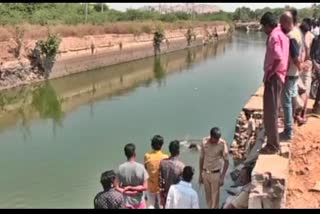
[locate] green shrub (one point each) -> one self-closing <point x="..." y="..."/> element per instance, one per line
<point x="49" y="47"/>
<point x="168" y="18"/>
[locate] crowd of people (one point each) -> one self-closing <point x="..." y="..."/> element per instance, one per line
<point x="292" y="54"/>
<point x="163" y="181"/>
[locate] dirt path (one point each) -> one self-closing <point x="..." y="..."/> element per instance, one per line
<point x="305" y="166"/>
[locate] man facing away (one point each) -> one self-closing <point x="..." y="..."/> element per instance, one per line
<point x="275" y="69"/>
<point x="213" y="149"/>
<point x="305" y="75"/>
<point x="109" y="198"/>
<point x="132" y="179"/>
<point x="152" y="163"/>
<point x="170" y="171"/>
<point x="290" y="91"/>
<point x="181" y="195"/>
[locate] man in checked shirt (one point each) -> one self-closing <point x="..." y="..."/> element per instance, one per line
<point x="109" y="198"/>
<point x="170" y="171"/>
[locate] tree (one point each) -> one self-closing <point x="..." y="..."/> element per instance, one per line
<point x="315" y="11"/>
<point x="243" y="14"/>
<point x="259" y="12"/>
<point x="100" y="7"/>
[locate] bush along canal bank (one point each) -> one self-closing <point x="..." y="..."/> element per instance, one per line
<point x="273" y="177"/>
<point x="27" y="61"/>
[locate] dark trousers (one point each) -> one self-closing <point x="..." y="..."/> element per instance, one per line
<point x="271" y="104"/>
<point x="318" y="96"/>
<point x="318" y="92"/>
<point x="316" y="106"/>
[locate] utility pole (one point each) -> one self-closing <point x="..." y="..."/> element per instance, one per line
<point x="102" y="6"/>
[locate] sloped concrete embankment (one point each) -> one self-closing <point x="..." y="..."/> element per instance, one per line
<point x="92" y="52"/>
<point x="269" y="178"/>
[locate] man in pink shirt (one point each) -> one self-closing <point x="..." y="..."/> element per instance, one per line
<point x="275" y="70"/>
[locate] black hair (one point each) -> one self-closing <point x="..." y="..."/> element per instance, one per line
<point x="187" y="173"/>
<point x="174" y="148"/>
<point x="305" y="26"/>
<point x="107" y="179"/>
<point x="215" y="133"/>
<point x="269" y="19"/>
<point x="308" y="21"/>
<point x="157" y="142"/>
<point x="294" y="14"/>
<point x="130" y="150"/>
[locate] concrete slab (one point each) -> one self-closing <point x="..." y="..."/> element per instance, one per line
<point x="278" y="166"/>
<point x="259" y="92"/>
<point x="254" y="104"/>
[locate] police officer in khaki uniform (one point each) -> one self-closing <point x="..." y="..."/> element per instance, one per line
<point x="213" y="150"/>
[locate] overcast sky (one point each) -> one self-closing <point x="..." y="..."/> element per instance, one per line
<point x="230" y="7"/>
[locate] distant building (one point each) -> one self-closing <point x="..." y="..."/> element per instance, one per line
<point x="187" y="8"/>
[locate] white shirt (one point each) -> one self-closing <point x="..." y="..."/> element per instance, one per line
<point x="182" y="196"/>
<point x="315" y="31"/>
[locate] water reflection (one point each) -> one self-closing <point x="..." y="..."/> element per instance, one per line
<point x="189" y="58"/>
<point x="46" y="103"/>
<point x="25" y="125"/>
<point x="51" y="99"/>
<point x="246" y="39"/>
<point x="159" y="70"/>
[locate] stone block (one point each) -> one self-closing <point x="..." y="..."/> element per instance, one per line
<point x="254" y="104"/>
<point x="255" y="202"/>
<point x="285" y="150"/>
<point x="267" y="203"/>
<point x="277" y="165"/>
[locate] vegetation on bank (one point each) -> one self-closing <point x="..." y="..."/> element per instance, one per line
<point x="76" y="19"/>
<point x="75" y="13"/>
<point x="99" y="14"/>
<point x="245" y="14"/>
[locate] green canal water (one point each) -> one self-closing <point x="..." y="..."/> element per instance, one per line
<point x="56" y="138"/>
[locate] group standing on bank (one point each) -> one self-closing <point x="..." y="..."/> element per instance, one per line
<point x="292" y="54"/>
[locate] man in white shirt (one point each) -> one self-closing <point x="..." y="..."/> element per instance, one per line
<point x="181" y="195"/>
<point x="316" y="30"/>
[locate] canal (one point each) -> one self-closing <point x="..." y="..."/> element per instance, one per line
<point x="56" y="138"/>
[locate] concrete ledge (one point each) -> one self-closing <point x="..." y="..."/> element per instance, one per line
<point x="255" y="102"/>
<point x="269" y="178"/>
<point x="271" y="172"/>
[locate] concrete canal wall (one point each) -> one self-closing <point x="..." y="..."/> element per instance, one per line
<point x="76" y="55"/>
<point x="269" y="176"/>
